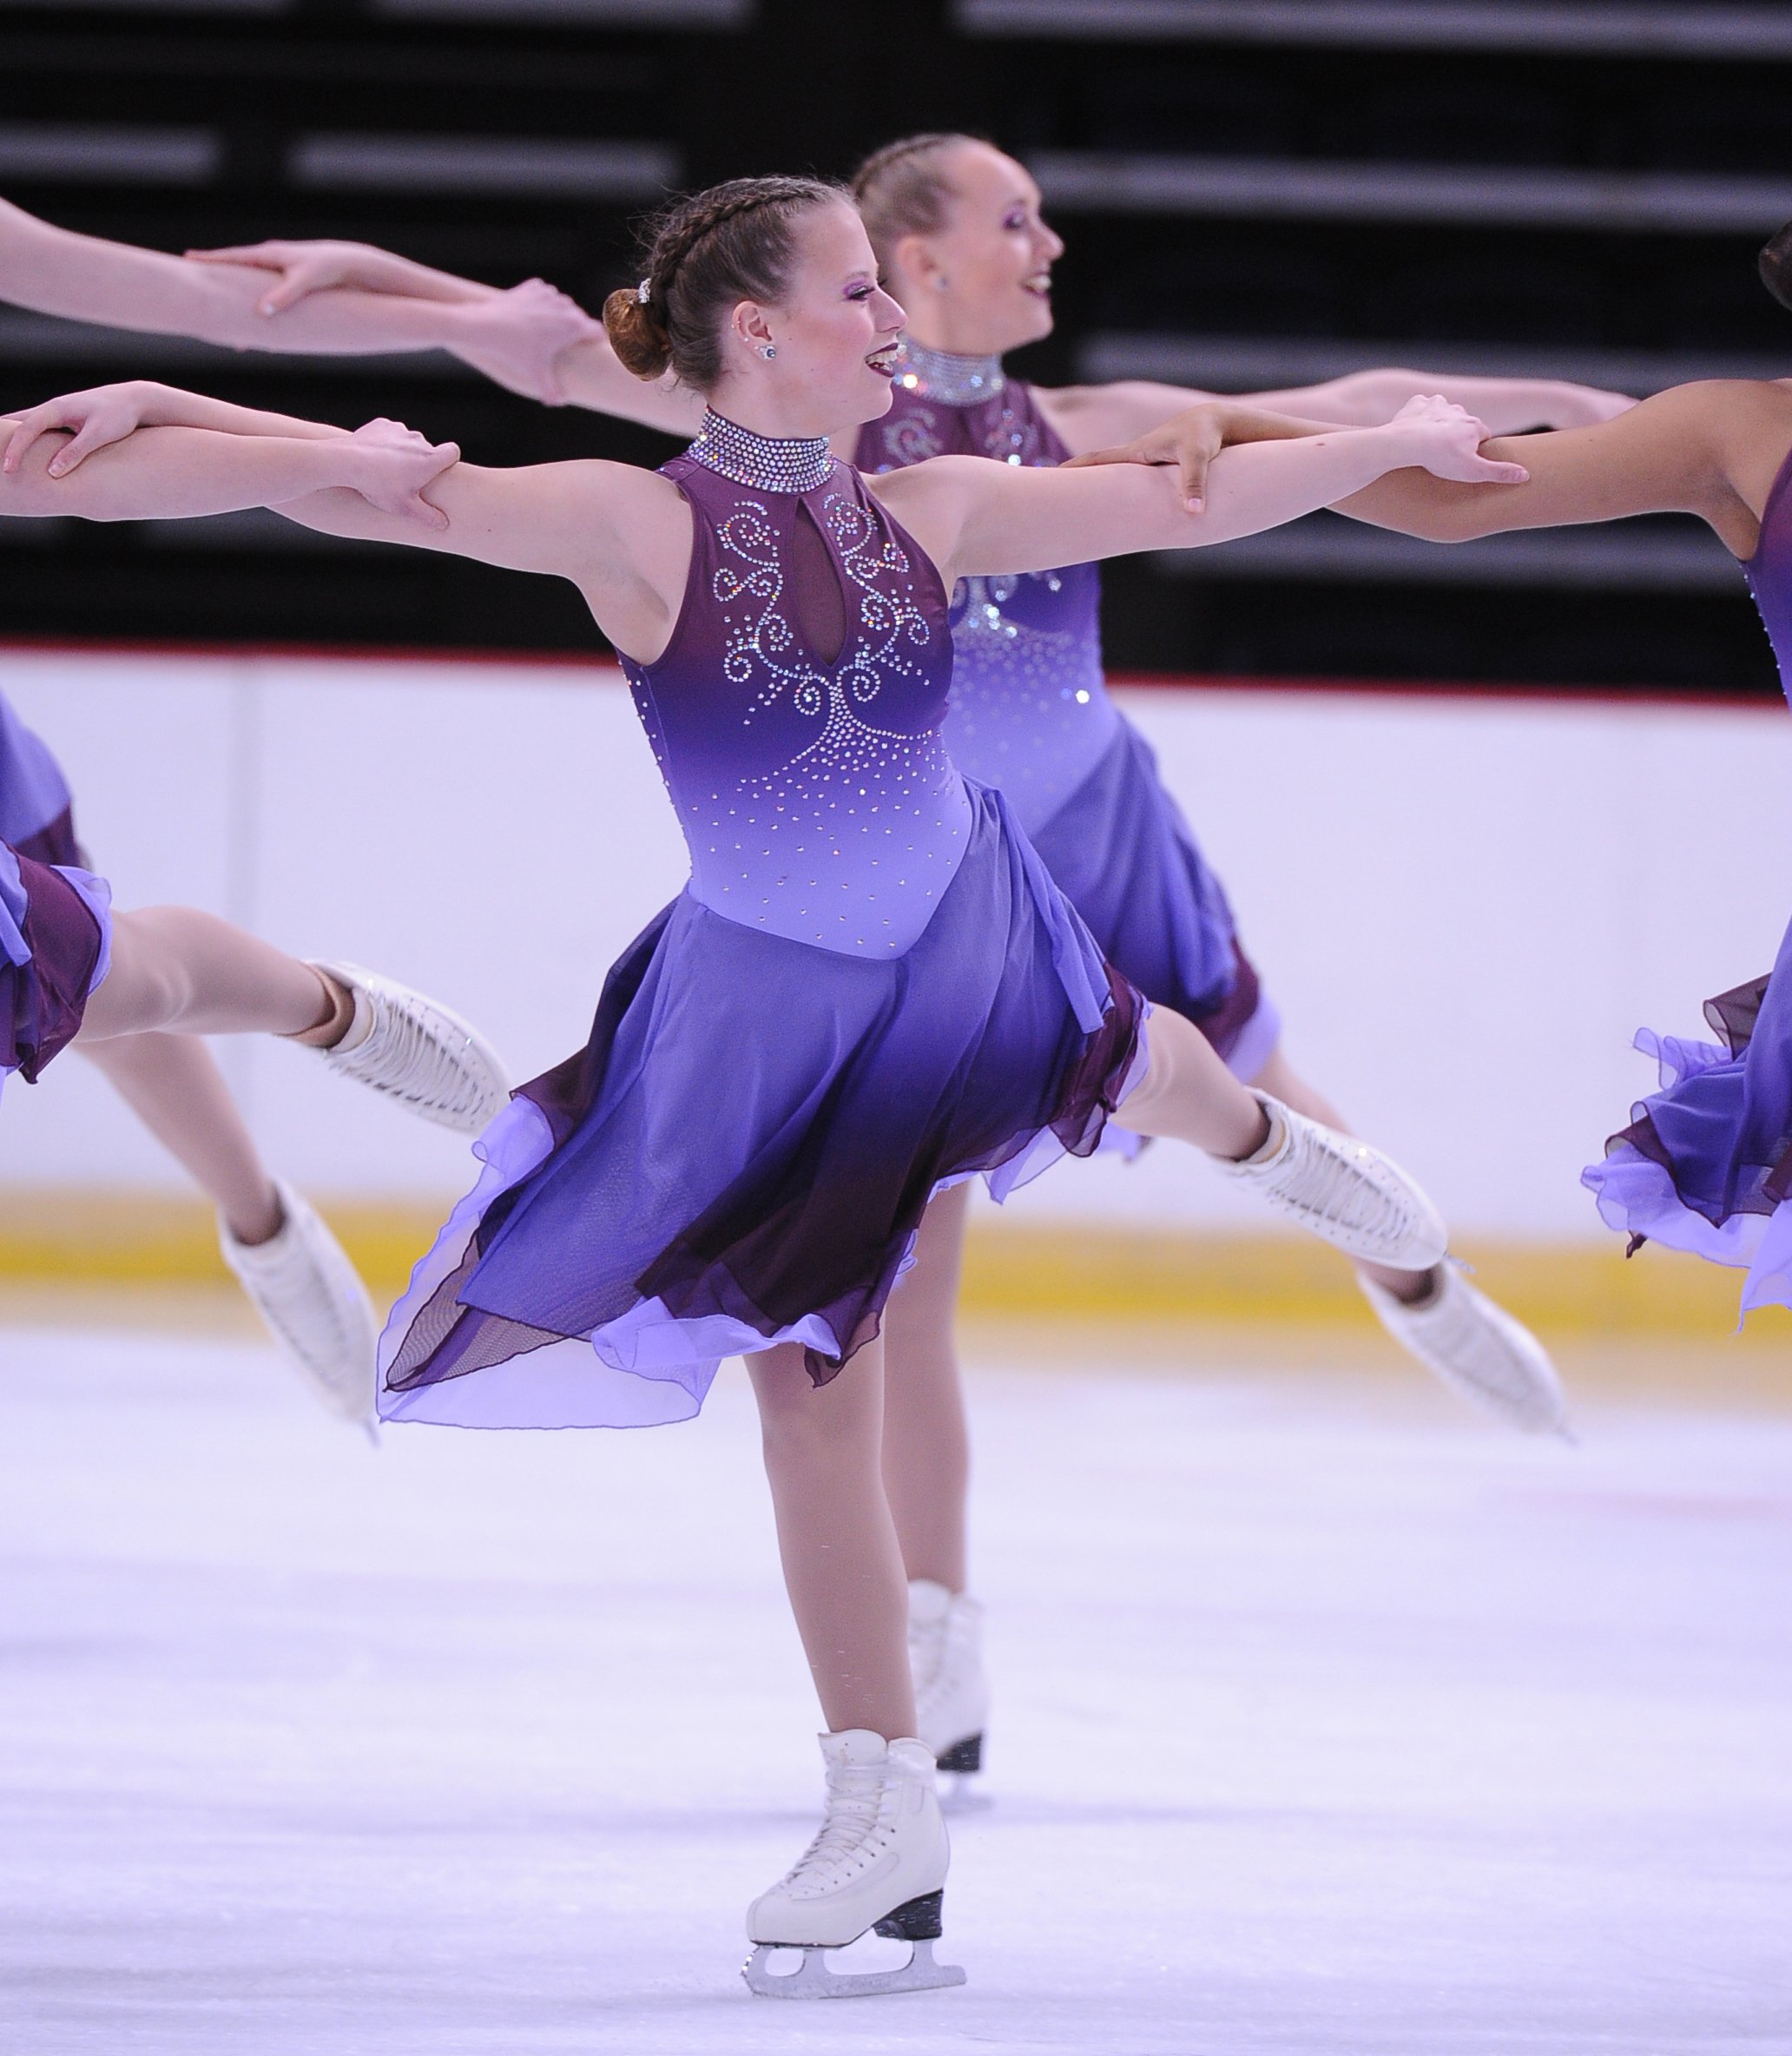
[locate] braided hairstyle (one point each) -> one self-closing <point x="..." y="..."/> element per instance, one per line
<point x="1774" y="264"/>
<point x="902" y="189"/>
<point x="701" y="256"/>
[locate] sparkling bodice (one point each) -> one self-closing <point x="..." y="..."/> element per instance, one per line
<point x="814" y="791"/>
<point x="1769" y="571"/>
<point x="1030" y="706"/>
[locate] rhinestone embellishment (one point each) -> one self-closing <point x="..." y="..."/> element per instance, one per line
<point x="953" y="380"/>
<point x="767" y="464"/>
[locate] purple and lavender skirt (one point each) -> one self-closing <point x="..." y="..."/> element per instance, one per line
<point x="1706" y="1164"/>
<point x="743" y="1152"/>
<point x="1125" y="857"/>
<point x="55" y="938"/>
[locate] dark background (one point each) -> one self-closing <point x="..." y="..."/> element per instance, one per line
<point x="196" y="125"/>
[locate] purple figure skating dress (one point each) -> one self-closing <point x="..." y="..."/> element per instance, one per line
<point x="1031" y="713"/>
<point x="869" y="988"/>
<point x="1706" y="1165"/>
<point x="54" y="917"/>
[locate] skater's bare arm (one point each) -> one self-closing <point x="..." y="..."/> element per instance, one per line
<point x="513" y="338"/>
<point x="1711" y="449"/>
<point x="621" y="534"/>
<point x="176" y="473"/>
<point x="976" y="515"/>
<point x="1093" y="416"/>
<point x="106" y="414"/>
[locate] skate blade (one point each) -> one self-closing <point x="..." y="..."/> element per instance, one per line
<point x="813" y="1978"/>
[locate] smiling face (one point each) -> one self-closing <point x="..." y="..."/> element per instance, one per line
<point x="981" y="283"/>
<point x="834" y="333"/>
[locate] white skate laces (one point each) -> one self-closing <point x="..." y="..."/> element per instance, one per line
<point x="1341" y="1190"/>
<point x="415" y="1052"/>
<point x="1480" y="1350"/>
<point x="302" y="1284"/>
<point x="878" y="1861"/>
<point x="952" y="1692"/>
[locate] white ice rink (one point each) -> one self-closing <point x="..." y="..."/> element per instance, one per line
<point x="1329" y="1721"/>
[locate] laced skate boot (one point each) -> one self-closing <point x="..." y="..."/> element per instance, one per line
<point x="1341" y="1190"/>
<point x="419" y="1053"/>
<point x="879" y="1862"/>
<point x="951" y="1693"/>
<point x="302" y="1284"/>
<point x="1479" y="1349"/>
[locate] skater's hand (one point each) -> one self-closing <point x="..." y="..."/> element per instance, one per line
<point x="300" y="268"/>
<point x="103" y="414"/>
<point x="517" y="339"/>
<point x="390" y="465"/>
<point x="1446" y="440"/>
<point x="1192" y="439"/>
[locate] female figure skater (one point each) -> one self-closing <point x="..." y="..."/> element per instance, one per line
<point x="870" y="989"/>
<point x="290" y="1265"/>
<point x="1706" y="1164"/>
<point x="74" y="970"/>
<point x="958" y="228"/>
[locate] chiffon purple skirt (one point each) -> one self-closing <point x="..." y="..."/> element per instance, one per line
<point x="55" y="948"/>
<point x="1706" y="1164"/>
<point x="1125" y="857"/>
<point x="741" y="1154"/>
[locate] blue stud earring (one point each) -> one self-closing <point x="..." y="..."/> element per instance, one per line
<point x="768" y="351"/>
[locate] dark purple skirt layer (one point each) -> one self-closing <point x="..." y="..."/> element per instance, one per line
<point x="1129" y="863"/>
<point x="53" y="952"/>
<point x="743" y="1152"/>
<point x="1706" y="1164"/>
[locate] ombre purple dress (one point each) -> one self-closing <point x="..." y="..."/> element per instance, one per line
<point x="869" y="989"/>
<point x="1706" y="1164"/>
<point x="1031" y="713"/>
<point x="55" y="914"/>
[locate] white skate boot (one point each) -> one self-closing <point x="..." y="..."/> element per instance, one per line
<point x="417" y="1052"/>
<point x="1479" y="1349"/>
<point x="879" y="1862"/>
<point x="1341" y="1190"/>
<point x="311" y="1297"/>
<point x="952" y="1692"/>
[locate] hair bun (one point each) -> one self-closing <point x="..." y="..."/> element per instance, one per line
<point x="641" y="343"/>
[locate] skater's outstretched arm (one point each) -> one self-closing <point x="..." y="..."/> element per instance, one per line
<point x="176" y="473"/>
<point x="587" y="372"/>
<point x="514" y="338"/>
<point x="973" y="514"/>
<point x="1089" y="416"/>
<point x="1711" y="449"/>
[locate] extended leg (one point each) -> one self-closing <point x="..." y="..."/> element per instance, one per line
<point x="1436" y="1316"/>
<point x="174" y="967"/>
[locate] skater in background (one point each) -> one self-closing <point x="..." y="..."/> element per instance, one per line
<point x="957" y="229"/>
<point x="1705" y="1164"/>
<point x="870" y="988"/>
<point x="290" y="1265"/>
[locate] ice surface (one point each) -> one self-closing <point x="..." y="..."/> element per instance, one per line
<point x="1319" y="1729"/>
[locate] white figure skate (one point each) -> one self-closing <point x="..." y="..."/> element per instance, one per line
<point x="417" y="1052"/>
<point x="952" y="1692"/>
<point x="303" y="1286"/>
<point x="1341" y="1190"/>
<point x="878" y="1862"/>
<point x="1479" y="1349"/>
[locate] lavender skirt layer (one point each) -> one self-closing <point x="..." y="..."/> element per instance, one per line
<point x="55" y="948"/>
<point x="1706" y="1164"/>
<point x="1128" y="861"/>
<point x="34" y="794"/>
<point x="741" y="1154"/>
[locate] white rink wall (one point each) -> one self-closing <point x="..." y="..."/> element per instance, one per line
<point x="1464" y="906"/>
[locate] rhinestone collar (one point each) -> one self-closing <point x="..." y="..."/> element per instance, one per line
<point x="940" y="374"/>
<point x="768" y="463"/>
